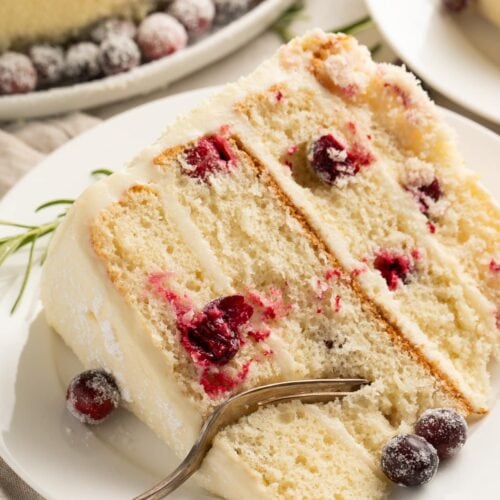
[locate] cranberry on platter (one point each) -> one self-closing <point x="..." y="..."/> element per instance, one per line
<point x="17" y="74"/>
<point x="92" y="396"/>
<point x="111" y="27"/>
<point x="82" y="62"/>
<point x="117" y="54"/>
<point x="443" y="428"/>
<point x="49" y="63"/>
<point x="197" y="16"/>
<point x="160" y="35"/>
<point x="409" y="460"/>
<point x="228" y="10"/>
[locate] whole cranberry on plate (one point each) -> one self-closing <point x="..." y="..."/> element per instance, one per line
<point x="92" y="396"/>
<point x="117" y="54"/>
<point x="197" y="16"/>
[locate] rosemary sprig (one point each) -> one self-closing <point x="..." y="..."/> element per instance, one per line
<point x="355" y="27"/>
<point x="30" y="235"/>
<point x="283" y="24"/>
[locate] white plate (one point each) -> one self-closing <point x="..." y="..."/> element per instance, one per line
<point x="146" y="77"/>
<point x="63" y="459"/>
<point x="457" y="54"/>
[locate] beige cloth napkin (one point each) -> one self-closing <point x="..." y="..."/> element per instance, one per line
<point x="22" y="146"/>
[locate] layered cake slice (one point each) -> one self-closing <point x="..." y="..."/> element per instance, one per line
<point x="282" y="231"/>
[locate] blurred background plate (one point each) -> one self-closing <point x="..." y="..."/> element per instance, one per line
<point x="457" y="54"/>
<point x="146" y="77"/>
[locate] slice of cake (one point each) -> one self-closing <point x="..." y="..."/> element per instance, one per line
<point x="312" y="220"/>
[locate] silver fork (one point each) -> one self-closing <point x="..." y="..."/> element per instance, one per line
<point x="308" y="391"/>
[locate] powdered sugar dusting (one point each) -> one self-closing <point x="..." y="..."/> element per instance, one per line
<point x="110" y="342"/>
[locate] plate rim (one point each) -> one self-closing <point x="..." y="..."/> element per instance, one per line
<point x="204" y="92"/>
<point x="420" y="69"/>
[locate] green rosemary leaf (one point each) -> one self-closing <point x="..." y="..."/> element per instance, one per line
<point x="10" y="246"/>
<point x="375" y="49"/>
<point x="355" y="27"/>
<point x="283" y="24"/>
<point x="101" y="171"/>
<point x="27" y="272"/>
<point x="15" y="224"/>
<point x="62" y="201"/>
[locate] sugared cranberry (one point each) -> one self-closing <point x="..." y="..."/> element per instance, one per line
<point x="210" y="154"/>
<point x="331" y="160"/>
<point x="117" y="54"/>
<point x="393" y="267"/>
<point x="215" y="334"/>
<point x="17" y="74"/>
<point x="111" y="27"/>
<point x="49" y="63"/>
<point x="82" y="61"/>
<point x="92" y="396"/>
<point x="445" y="429"/>
<point x="455" y="5"/>
<point x="160" y="35"/>
<point x="409" y="460"/>
<point x="196" y="15"/>
<point x="227" y="10"/>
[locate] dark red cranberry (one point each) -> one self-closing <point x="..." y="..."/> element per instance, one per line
<point x="409" y="460"/>
<point x="455" y="5"/>
<point x="210" y="154"/>
<point x="160" y="35"/>
<point x="82" y="62"/>
<point x="445" y="429"/>
<point x="195" y="15"/>
<point x="228" y="10"/>
<point x="117" y="54"/>
<point x="394" y="268"/>
<point x="215" y="334"/>
<point x="331" y="160"/>
<point x="92" y="396"/>
<point x="432" y="190"/>
<point x="111" y="27"/>
<point x="49" y="64"/>
<point x="17" y="74"/>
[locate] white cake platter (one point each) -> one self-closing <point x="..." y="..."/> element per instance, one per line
<point x="456" y="54"/>
<point x="147" y="77"/>
<point x="61" y="458"/>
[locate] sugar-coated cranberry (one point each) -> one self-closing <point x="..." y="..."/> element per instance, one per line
<point x="82" y="61"/>
<point x="444" y="428"/>
<point x="17" y="74"/>
<point x="409" y="460"/>
<point x="49" y="63"/>
<point x="215" y="334"/>
<point x="228" y="10"/>
<point x="160" y="35"/>
<point x="196" y="16"/>
<point x="455" y="5"/>
<point x="92" y="396"/>
<point x="210" y="154"/>
<point x="394" y="268"/>
<point x="111" y="27"/>
<point x="117" y="54"/>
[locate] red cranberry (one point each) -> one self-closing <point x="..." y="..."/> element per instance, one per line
<point x="17" y="74"/>
<point x="117" y="54"/>
<point x="111" y="27"/>
<point x="196" y="15"/>
<point x="445" y="429"/>
<point x="160" y="35"/>
<point x="409" y="460"/>
<point x="455" y="5"/>
<point x="49" y="64"/>
<point x="211" y="154"/>
<point x="92" y="396"/>
<point x="331" y="160"/>
<point x="394" y="268"/>
<point x="215" y="334"/>
<point x="227" y="10"/>
<point x="82" y="61"/>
